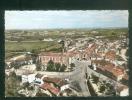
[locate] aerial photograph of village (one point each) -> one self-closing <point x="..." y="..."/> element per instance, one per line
<point x="64" y="53"/>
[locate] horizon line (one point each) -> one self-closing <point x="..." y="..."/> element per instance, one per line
<point x="67" y="28"/>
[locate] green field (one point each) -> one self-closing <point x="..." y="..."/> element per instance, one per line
<point x="29" y="46"/>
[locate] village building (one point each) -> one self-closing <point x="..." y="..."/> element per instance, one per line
<point x="50" y="88"/>
<point x="62" y="58"/>
<point x="109" y="69"/>
<point x="19" y="60"/>
<point x="45" y="57"/>
<point x="32" y="78"/>
<point x="110" y="55"/>
<point x="124" y="92"/>
<point x="54" y="85"/>
<point x="28" y="77"/>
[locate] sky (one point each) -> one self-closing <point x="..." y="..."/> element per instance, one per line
<point x="65" y="19"/>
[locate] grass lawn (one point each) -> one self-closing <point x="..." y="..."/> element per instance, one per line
<point x="29" y="46"/>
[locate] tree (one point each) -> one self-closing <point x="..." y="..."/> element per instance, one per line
<point x="40" y="38"/>
<point x="110" y="90"/>
<point x="13" y="64"/>
<point x="102" y="88"/>
<point x="113" y="34"/>
<point x="26" y="85"/>
<point x="38" y="65"/>
<point x="95" y="78"/>
<point x="39" y="93"/>
<point x="16" y="66"/>
<point x="19" y="40"/>
<point x="34" y="57"/>
<point x="63" y="68"/>
<point x="57" y="66"/>
<point x="62" y="42"/>
<point x="11" y="85"/>
<point x="50" y="66"/>
<point x="34" y="51"/>
<point x="72" y="65"/>
<point x="12" y="74"/>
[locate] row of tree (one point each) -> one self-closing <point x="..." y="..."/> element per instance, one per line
<point x="54" y="67"/>
<point x="51" y="66"/>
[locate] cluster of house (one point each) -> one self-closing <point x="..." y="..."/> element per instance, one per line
<point x="110" y="70"/>
<point x="98" y="52"/>
<point x="94" y="52"/>
<point x="66" y="57"/>
<point x="53" y="85"/>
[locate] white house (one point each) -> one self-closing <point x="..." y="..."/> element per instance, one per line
<point x="64" y="87"/>
<point x="28" y="78"/>
<point x="94" y="67"/>
<point x="124" y="92"/>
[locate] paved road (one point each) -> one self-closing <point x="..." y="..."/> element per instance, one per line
<point x="81" y="67"/>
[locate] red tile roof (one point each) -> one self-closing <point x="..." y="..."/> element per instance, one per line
<point x="47" y="86"/>
<point x="107" y="66"/>
<point x="117" y="71"/>
<point x="72" y="53"/>
<point x="101" y="62"/>
<point x="90" y="49"/>
<point x="56" y="81"/>
<point x="110" y="55"/>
